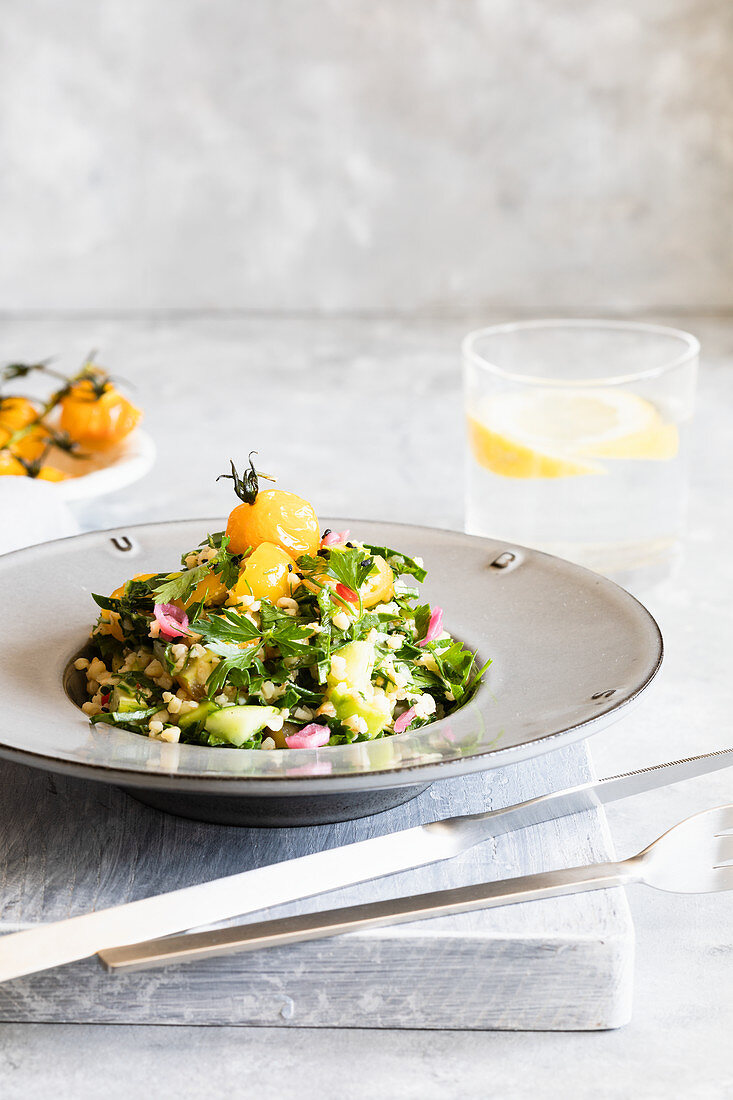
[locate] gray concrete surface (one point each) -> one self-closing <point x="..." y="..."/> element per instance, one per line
<point x="119" y="1063"/>
<point x="291" y="388"/>
<point x="415" y="156"/>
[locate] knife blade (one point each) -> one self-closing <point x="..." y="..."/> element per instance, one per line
<point x="79" y="937"/>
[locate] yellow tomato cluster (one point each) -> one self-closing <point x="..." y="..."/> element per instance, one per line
<point x="276" y="528"/>
<point x="273" y="530"/>
<point x="93" y="414"/>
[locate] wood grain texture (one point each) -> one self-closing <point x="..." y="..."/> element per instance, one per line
<point x="566" y="963"/>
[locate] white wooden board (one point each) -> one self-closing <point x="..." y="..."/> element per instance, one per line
<point x="564" y="964"/>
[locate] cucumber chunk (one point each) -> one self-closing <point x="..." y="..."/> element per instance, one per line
<point x="195" y="673"/>
<point x="203" y="710"/>
<point x="239" y="724"/>
<point x="373" y="707"/>
<point x="123" y="701"/>
<point x="359" y="658"/>
<point x="353" y="694"/>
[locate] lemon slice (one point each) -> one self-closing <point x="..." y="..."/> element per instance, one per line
<point x="510" y="458"/>
<point x="557" y="433"/>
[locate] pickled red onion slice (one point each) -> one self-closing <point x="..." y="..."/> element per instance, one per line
<point x="435" y="626"/>
<point x="311" y="736"/>
<point x="173" y="621"/>
<point x="404" y="720"/>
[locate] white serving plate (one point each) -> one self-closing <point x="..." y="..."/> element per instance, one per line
<point x="106" y="472"/>
<point x="571" y="653"/>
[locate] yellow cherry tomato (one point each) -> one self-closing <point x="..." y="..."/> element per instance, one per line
<point x="211" y="590"/>
<point x="111" y="619"/>
<point x="9" y="465"/>
<point x="277" y="517"/>
<point x="33" y="445"/>
<point x="50" y="473"/>
<point x="265" y="574"/>
<point x="15" y="413"/>
<point x="98" y="420"/>
<point x="379" y="585"/>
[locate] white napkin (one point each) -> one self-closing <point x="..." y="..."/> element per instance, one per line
<point x="32" y="511"/>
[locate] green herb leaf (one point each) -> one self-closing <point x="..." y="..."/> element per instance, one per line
<point x="398" y="563"/>
<point x="350" y="567"/>
<point x="226" y="565"/>
<point x="476" y="680"/>
<point x="290" y="635"/>
<point x="141" y="590"/>
<point x="180" y="586"/>
<point x="214" y="540"/>
<point x="422" y="620"/>
<point x="229" y="627"/>
<point x="232" y="637"/>
<point x="107" y="603"/>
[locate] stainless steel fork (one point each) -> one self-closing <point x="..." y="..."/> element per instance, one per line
<point x="693" y="857"/>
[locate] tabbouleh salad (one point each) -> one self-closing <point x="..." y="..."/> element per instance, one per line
<point x="273" y="635"/>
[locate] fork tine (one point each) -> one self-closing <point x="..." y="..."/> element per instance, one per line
<point x="694" y="856"/>
<point x="724" y="849"/>
<point x="723" y="878"/>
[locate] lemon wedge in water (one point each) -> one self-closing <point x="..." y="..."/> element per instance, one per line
<point x="559" y="433"/>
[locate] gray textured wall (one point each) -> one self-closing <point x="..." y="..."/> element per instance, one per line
<point x="444" y="156"/>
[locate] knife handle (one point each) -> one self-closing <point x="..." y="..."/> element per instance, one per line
<point x="335" y="922"/>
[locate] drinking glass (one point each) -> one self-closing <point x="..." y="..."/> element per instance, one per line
<point x="578" y="439"/>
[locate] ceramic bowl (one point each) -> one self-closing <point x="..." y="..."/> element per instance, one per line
<point x="571" y="654"/>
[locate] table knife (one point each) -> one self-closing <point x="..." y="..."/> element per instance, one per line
<point x="120" y="926"/>
<point x="689" y="858"/>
